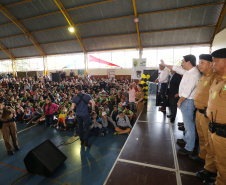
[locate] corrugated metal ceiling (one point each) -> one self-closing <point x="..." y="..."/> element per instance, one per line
<point x="145" y="6"/>
<point x="3" y="55"/>
<point x="33" y="8"/>
<point x="179" y="37"/>
<point x="181" y="19"/>
<point x="61" y="48"/>
<point x="108" y="43"/>
<point x="97" y="33"/>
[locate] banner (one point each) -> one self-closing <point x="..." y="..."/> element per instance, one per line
<point x="39" y="74"/>
<point x="138" y="67"/>
<point x="81" y="73"/>
<point x="111" y="73"/>
<point x="95" y="59"/>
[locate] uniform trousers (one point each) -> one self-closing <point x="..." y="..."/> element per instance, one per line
<point x="219" y="145"/>
<point x="139" y="107"/>
<point x="9" y="129"/>
<point x="200" y="122"/>
<point x="206" y="147"/>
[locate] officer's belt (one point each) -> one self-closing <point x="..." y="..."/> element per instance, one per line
<point x="219" y="128"/>
<point x="202" y="111"/>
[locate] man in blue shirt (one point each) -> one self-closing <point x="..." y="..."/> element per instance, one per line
<point x="81" y="101"/>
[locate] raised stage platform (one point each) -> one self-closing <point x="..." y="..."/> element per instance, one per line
<point x="149" y="156"/>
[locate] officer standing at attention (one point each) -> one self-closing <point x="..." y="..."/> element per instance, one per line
<point x="201" y="98"/>
<point x="216" y="113"/>
<point x="81" y="101"/>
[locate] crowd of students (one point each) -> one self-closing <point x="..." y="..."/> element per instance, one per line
<point x="50" y="103"/>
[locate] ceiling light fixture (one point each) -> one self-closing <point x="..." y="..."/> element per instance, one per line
<point x="71" y="29"/>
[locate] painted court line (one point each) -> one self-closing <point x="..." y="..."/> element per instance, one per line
<point x="147" y="165"/>
<point x="67" y="142"/>
<point x="175" y="157"/>
<point x="83" y="166"/>
<point x="24" y="171"/>
<point x="105" y="182"/>
<point x="13" y="167"/>
<point x="23" y="130"/>
<point x="27" y="128"/>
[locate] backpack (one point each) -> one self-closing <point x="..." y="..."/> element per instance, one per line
<point x="81" y="99"/>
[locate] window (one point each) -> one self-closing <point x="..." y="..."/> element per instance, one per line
<point x="107" y="59"/>
<point x="30" y="64"/>
<point x="172" y="56"/>
<point x="6" y="66"/>
<point x="72" y="61"/>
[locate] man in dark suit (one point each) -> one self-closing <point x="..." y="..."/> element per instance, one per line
<point x="173" y="88"/>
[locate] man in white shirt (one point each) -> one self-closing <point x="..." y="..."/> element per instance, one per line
<point x="187" y="87"/>
<point x="163" y="79"/>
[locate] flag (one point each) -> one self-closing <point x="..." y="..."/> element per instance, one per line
<point x="94" y="59"/>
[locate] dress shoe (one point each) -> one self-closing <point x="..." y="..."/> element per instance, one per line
<point x="160" y="108"/>
<point x="206" y="175"/>
<point x="181" y="128"/>
<point x="87" y="144"/>
<point x="163" y="109"/>
<point x="10" y="152"/>
<point x="181" y="141"/>
<point x="208" y="182"/>
<point x="17" y="148"/>
<point x="180" y="123"/>
<point x="169" y="116"/>
<point x="183" y="151"/>
<point x="172" y="119"/>
<point x="196" y="158"/>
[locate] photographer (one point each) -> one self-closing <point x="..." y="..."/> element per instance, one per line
<point x="9" y="129"/>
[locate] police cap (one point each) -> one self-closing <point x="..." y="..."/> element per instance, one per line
<point x="206" y="57"/>
<point x="220" y="53"/>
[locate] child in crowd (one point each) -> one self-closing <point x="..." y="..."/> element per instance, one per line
<point x="61" y="119"/>
<point x="19" y="112"/>
<point x="123" y="125"/>
<point x="36" y="114"/>
<point x="71" y="120"/>
<point x="114" y="113"/>
<point x="107" y="123"/>
<point x="27" y="115"/>
<point x="130" y="115"/>
<point x="96" y="126"/>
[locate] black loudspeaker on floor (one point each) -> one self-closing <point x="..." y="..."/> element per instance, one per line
<point x="44" y="159"/>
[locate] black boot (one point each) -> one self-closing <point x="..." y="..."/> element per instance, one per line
<point x="181" y="141"/>
<point x="17" y="148"/>
<point x="180" y="123"/>
<point x="10" y="152"/>
<point x="206" y="175"/>
<point x="181" y="128"/>
<point x="183" y="151"/>
<point x="208" y="182"/>
<point x="196" y="158"/>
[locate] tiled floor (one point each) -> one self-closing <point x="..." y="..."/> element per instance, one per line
<point x="149" y="156"/>
<point x="82" y="167"/>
